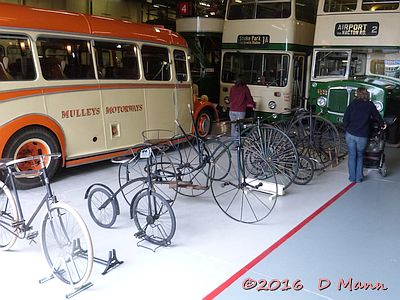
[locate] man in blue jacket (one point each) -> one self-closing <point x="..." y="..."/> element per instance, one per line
<point x="357" y="119"/>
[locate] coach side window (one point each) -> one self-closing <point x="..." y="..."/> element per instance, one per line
<point x="16" y="61"/>
<point x="180" y="65"/>
<point x="117" y="60"/>
<point x="63" y="59"/>
<point x="156" y="63"/>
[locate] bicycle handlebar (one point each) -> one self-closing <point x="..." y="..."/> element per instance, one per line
<point x="24" y="159"/>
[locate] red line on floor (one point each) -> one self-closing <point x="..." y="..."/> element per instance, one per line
<point x="283" y="239"/>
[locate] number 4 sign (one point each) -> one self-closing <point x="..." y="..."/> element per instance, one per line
<point x="183" y="8"/>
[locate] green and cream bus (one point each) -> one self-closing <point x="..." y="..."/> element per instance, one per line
<point x="356" y="44"/>
<point x="268" y="43"/>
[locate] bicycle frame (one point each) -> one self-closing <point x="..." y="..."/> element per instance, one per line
<point x="48" y="198"/>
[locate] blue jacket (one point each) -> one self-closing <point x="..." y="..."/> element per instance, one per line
<point x="358" y="117"/>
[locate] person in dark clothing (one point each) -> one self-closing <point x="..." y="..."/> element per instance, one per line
<point x="240" y="99"/>
<point x="357" y="119"/>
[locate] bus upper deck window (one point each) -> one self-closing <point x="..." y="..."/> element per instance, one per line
<point x="273" y="10"/>
<point x="244" y="9"/>
<point x="374" y="5"/>
<point x="340" y="5"/>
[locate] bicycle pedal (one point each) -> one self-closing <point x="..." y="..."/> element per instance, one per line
<point x="32" y="235"/>
<point x="140" y="234"/>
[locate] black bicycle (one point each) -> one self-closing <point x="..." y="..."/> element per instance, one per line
<point x="150" y="210"/>
<point x="66" y="242"/>
<point x="247" y="196"/>
<point x="314" y="136"/>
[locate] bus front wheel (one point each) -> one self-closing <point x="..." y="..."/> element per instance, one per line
<point x="32" y="141"/>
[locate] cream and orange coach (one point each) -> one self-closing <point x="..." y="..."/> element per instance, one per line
<point x="87" y="86"/>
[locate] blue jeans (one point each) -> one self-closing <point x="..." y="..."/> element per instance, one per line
<point x="356" y="146"/>
<point x="234" y="116"/>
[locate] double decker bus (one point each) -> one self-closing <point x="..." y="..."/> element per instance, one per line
<point x="86" y="86"/>
<point x="268" y="43"/>
<point x="201" y="24"/>
<point x="356" y="46"/>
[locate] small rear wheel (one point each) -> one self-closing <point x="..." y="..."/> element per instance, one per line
<point x="103" y="207"/>
<point x="305" y="172"/>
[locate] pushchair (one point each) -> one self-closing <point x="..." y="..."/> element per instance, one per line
<point x="374" y="156"/>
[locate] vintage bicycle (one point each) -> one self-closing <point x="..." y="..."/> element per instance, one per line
<point x="65" y="239"/>
<point x="149" y="208"/>
<point x="243" y="195"/>
<point x="314" y="136"/>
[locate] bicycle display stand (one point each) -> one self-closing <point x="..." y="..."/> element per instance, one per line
<point x="110" y="264"/>
<point x="148" y="245"/>
<point x="75" y="291"/>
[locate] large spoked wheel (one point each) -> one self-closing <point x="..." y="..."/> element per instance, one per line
<point x="33" y="141"/>
<point x="305" y="172"/>
<point x="316" y="138"/>
<point x="8" y="216"/>
<point x="153" y="217"/>
<point x="244" y="198"/>
<point x="162" y="171"/>
<point x="192" y="165"/>
<point x="220" y="159"/>
<point x="204" y="123"/>
<point x="276" y="148"/>
<point x="103" y="207"/>
<point x="67" y="245"/>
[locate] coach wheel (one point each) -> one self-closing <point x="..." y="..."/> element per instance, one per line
<point x="32" y="142"/>
<point x="203" y="123"/>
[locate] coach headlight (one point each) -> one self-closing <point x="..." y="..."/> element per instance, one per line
<point x="272" y="104"/>
<point x="379" y="105"/>
<point x="321" y="101"/>
<point x="226" y="100"/>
